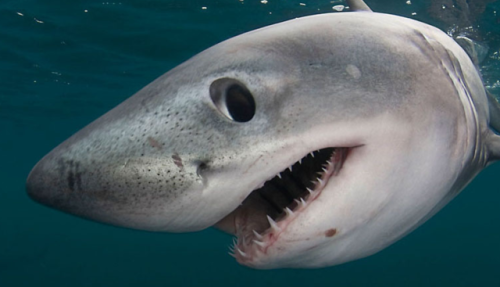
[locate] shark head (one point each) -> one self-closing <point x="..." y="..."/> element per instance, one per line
<point x="314" y="141"/>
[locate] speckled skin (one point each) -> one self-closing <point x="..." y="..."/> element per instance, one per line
<point x="166" y="159"/>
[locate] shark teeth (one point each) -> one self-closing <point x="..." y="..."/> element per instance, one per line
<point x="317" y="165"/>
<point x="301" y="203"/>
<point x="259" y="243"/>
<point x="320" y="181"/>
<point x="257" y="235"/>
<point x="274" y="225"/>
<point x="241" y="252"/>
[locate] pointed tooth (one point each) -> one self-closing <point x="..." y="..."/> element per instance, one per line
<point x="290" y="168"/>
<point x="273" y="223"/>
<point x="242" y="253"/>
<point x="232" y="254"/>
<point x="257" y="235"/>
<point x="320" y="181"/>
<point x="235" y="241"/>
<point x="260" y="243"/>
<point x="279" y="175"/>
<point x="288" y="211"/>
<point x="310" y="190"/>
<point x="312" y="154"/>
<point x="325" y="170"/>
<point x="300" y="161"/>
<point x="302" y="201"/>
<point x="329" y="162"/>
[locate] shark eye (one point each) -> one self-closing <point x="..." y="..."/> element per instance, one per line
<point x="233" y="99"/>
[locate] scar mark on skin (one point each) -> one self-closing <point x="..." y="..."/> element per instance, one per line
<point x="178" y="161"/>
<point x="250" y="166"/>
<point x="331" y="232"/>
<point x="154" y="143"/>
<point x="353" y="71"/>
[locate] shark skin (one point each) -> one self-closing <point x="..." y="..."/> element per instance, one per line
<point x="316" y="141"/>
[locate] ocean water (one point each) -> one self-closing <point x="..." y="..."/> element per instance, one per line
<point x="64" y="63"/>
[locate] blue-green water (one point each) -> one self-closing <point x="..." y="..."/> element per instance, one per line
<point x="64" y="63"/>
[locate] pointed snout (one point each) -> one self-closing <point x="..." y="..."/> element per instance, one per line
<point x="57" y="183"/>
<point x="118" y="183"/>
<point x="43" y="184"/>
<point x="137" y="166"/>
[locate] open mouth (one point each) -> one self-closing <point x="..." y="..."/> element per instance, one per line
<point x="267" y="211"/>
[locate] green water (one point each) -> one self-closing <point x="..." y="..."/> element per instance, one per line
<point x="64" y="63"/>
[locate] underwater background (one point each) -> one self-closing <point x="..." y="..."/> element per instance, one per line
<point x="65" y="63"/>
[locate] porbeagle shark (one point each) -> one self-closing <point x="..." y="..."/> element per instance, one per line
<point x="315" y="141"/>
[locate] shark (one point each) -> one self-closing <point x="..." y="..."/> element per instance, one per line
<point x="315" y="141"/>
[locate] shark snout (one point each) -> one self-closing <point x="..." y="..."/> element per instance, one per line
<point x="44" y="184"/>
<point x="57" y="182"/>
<point x="130" y="188"/>
<point x="36" y="187"/>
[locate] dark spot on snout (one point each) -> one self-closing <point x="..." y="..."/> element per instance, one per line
<point x="331" y="232"/>
<point x="71" y="171"/>
<point x="177" y="160"/>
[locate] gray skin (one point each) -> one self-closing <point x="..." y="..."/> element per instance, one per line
<point x="402" y="94"/>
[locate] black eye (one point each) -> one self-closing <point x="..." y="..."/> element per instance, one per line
<point x="233" y="99"/>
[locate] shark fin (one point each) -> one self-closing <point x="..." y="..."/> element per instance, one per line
<point x="493" y="146"/>
<point x="358" y="5"/>
<point x="494" y="111"/>
<point x="493" y="142"/>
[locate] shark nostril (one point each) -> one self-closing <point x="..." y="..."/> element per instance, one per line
<point x="201" y="167"/>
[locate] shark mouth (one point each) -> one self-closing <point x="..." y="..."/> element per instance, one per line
<point x="267" y="211"/>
